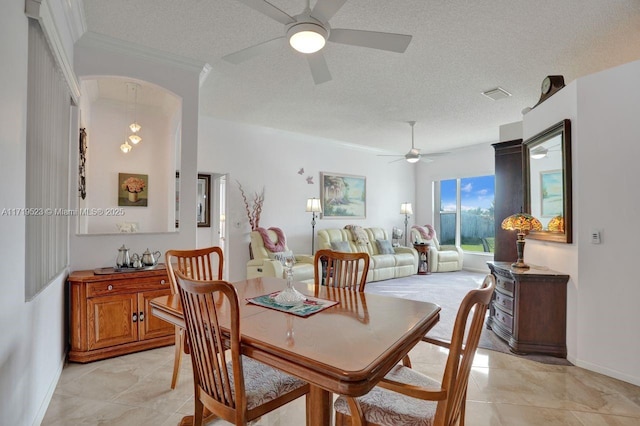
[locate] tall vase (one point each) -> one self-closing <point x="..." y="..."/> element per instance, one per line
<point x="133" y="197"/>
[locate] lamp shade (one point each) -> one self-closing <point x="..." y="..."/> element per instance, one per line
<point x="135" y="127"/>
<point x="521" y="222"/>
<point x="125" y="147"/>
<point x="313" y="205"/>
<point x="556" y="224"/>
<point x="135" y="139"/>
<point x="405" y="208"/>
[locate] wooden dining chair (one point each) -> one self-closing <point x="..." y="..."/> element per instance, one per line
<point x="231" y="386"/>
<point x="407" y="397"/>
<point x="198" y="264"/>
<point x="341" y="269"/>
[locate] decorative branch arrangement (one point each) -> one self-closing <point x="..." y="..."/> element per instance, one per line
<point x="253" y="212"/>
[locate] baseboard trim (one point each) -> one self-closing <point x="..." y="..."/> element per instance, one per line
<point x="607" y="372"/>
<point x="52" y="388"/>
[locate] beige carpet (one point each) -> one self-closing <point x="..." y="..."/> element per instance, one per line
<point x="447" y="289"/>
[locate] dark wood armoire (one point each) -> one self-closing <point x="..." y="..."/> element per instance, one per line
<point x="509" y="196"/>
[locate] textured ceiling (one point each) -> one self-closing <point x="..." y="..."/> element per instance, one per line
<point x="459" y="49"/>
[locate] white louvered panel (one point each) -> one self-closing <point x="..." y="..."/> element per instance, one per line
<point x="47" y="180"/>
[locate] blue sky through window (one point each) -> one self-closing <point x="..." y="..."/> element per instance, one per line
<point x="478" y="191"/>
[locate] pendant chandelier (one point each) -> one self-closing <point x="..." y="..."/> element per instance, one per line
<point x="134" y="127"/>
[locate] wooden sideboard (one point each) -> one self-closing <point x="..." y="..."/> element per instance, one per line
<point x="110" y="314"/>
<point x="528" y="309"/>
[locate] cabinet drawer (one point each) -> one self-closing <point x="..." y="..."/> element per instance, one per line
<point x="504" y="302"/>
<point x="505" y="285"/>
<point x="102" y="288"/>
<point x="503" y="318"/>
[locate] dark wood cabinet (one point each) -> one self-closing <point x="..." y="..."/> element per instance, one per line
<point x="509" y="196"/>
<point x="110" y="314"/>
<point x="528" y="309"/>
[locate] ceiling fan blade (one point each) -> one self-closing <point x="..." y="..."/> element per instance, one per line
<point x="372" y="39"/>
<point x="325" y="9"/>
<point x="395" y="161"/>
<point x="253" y="51"/>
<point x="319" y="68"/>
<point x="270" y="10"/>
<point x="435" y="154"/>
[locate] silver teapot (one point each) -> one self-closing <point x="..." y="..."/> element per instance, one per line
<point x="124" y="259"/>
<point x="150" y="259"/>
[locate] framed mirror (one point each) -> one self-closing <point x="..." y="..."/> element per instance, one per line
<point x="203" y="201"/>
<point x="108" y="116"/>
<point x="547" y="182"/>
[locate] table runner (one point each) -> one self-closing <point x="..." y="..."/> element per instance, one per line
<point x="309" y="307"/>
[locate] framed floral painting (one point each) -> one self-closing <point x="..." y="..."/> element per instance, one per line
<point x="133" y="189"/>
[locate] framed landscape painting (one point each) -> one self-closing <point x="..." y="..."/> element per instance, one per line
<point x="551" y="189"/>
<point x="343" y="196"/>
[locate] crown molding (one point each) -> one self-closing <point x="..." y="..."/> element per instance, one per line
<point x="42" y="11"/>
<point x="76" y="20"/>
<point x="93" y="40"/>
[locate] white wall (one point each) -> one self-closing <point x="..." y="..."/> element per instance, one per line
<point x="260" y="157"/>
<point x="153" y="156"/>
<point x="477" y="160"/>
<point x="32" y="342"/>
<point x="603" y="322"/>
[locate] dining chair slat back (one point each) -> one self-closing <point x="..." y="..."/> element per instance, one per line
<point x="426" y="401"/>
<point x="341" y="269"/>
<point x="199" y="264"/>
<point x="231" y="386"/>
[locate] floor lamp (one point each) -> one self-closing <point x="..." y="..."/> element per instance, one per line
<point x="313" y="206"/>
<point x="405" y="209"/>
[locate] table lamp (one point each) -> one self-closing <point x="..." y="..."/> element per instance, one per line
<point x="405" y="209"/>
<point x="313" y="206"/>
<point x="523" y="223"/>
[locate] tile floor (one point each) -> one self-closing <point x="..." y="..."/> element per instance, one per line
<point x="503" y="390"/>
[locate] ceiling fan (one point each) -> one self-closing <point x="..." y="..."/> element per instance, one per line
<point x="309" y="31"/>
<point x="414" y="155"/>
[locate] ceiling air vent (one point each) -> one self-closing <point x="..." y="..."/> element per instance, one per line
<point x="496" y="94"/>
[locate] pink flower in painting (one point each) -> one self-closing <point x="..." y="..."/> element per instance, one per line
<point x="133" y="184"/>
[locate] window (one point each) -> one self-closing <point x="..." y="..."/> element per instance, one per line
<point x="466" y="212"/>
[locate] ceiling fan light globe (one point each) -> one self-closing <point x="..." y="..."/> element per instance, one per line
<point x="412" y="158"/>
<point x="539" y="152"/>
<point x="307" y="37"/>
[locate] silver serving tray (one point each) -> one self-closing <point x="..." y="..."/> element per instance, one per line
<point x="116" y="270"/>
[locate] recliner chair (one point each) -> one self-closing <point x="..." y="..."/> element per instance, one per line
<point x="266" y="263"/>
<point x="442" y="258"/>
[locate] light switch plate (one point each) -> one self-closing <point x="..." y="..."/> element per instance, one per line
<point x="595" y="237"/>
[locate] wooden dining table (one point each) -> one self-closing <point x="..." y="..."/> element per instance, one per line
<point x="344" y="349"/>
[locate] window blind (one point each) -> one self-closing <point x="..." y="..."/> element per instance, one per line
<point x="47" y="166"/>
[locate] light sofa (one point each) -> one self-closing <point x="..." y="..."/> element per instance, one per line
<point x="442" y="258"/>
<point x="401" y="263"/>
<point x="265" y="264"/>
